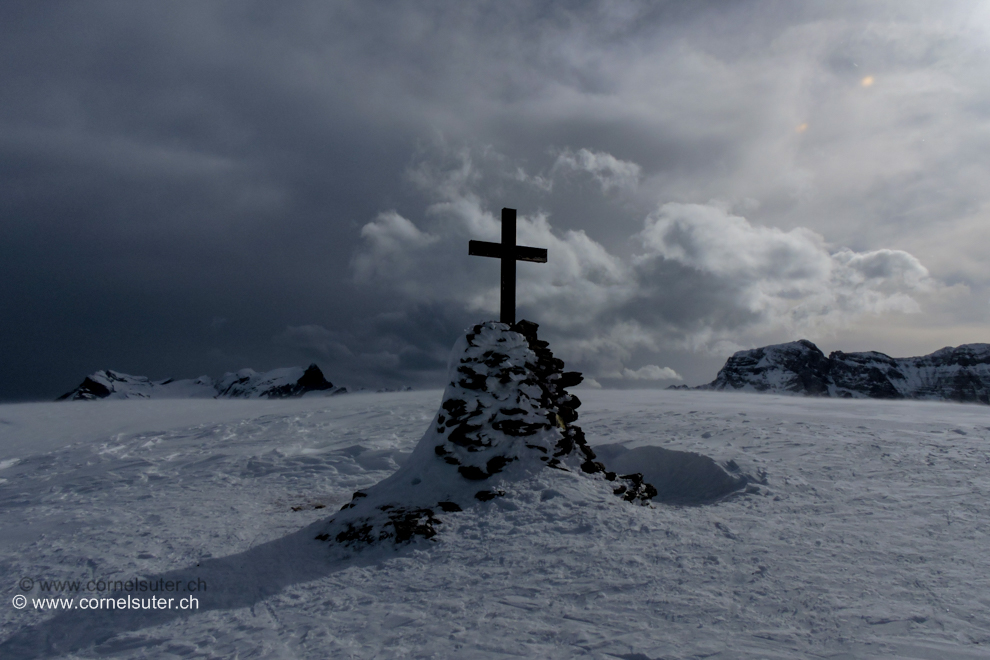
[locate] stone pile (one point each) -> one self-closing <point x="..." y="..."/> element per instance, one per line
<point x="505" y="415"/>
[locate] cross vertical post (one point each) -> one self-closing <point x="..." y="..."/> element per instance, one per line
<point x="508" y="253"/>
<point x="507" y="301"/>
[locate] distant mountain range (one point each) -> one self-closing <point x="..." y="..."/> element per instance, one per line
<point x="799" y="367"/>
<point x="245" y="384"/>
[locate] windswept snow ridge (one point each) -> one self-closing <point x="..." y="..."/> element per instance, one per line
<point x="245" y="384"/>
<point x="505" y="418"/>
<point x="950" y="374"/>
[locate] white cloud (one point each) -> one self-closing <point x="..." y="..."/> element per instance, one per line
<point x="390" y="251"/>
<point x="651" y="372"/>
<point x="703" y="278"/>
<point x="610" y="172"/>
<point x="786" y="279"/>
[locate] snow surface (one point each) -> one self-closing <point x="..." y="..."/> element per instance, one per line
<point x="869" y="539"/>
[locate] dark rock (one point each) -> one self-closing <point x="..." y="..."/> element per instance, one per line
<point x="798" y="367"/>
<point x="313" y="380"/>
<point x="868" y="374"/>
<point x="517" y="427"/>
<point x="413" y="522"/>
<point x="496" y="463"/>
<point x="471" y="380"/>
<point x="473" y="472"/>
<point x="87" y="391"/>
<point x="592" y="467"/>
<point x="570" y="379"/>
<point x="401" y="526"/>
<point x="360" y="533"/>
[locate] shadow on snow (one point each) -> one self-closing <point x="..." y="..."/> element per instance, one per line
<point x="232" y="582"/>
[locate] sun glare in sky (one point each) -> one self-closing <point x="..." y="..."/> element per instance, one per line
<point x="801" y="128"/>
<point x="867" y="81"/>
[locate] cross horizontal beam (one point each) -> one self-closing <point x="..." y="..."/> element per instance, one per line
<point x="523" y="252"/>
<point x="508" y="253"/>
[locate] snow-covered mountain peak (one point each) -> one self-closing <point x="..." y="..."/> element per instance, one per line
<point x="964" y="354"/>
<point x="797" y="366"/>
<point x="959" y="373"/>
<point x="109" y="384"/>
<point x="244" y="384"/>
<point x="277" y="383"/>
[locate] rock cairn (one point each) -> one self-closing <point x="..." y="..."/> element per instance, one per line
<point x="506" y="414"/>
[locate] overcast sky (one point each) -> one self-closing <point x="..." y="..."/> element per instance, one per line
<point x="190" y="188"/>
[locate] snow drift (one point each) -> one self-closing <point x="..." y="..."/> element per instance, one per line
<point x="680" y="477"/>
<point x="800" y="367"/>
<point x="245" y="384"/>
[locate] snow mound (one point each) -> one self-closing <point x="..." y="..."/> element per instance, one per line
<point x="680" y="477"/>
<point x="245" y="384"/>
<point x="950" y="374"/>
<point x="505" y="417"/>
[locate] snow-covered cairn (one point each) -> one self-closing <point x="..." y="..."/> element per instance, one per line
<point x="505" y="415"/>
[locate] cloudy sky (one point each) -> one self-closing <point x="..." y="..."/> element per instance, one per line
<point x="191" y="188"/>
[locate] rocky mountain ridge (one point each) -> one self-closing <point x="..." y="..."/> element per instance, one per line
<point x="959" y="373"/>
<point x="244" y="384"/>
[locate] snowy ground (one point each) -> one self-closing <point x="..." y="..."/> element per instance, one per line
<point x="870" y="539"/>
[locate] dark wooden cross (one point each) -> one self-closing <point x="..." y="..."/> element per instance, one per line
<point x="509" y="253"/>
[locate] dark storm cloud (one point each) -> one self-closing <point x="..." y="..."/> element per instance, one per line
<point x="166" y="163"/>
<point x="293" y="169"/>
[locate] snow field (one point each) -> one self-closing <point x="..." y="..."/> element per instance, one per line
<point x="868" y="540"/>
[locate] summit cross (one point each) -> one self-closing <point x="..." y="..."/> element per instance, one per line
<point x="509" y="253"/>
